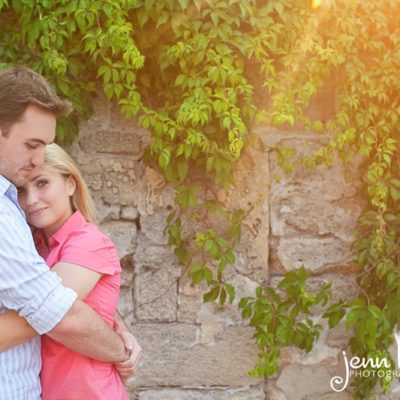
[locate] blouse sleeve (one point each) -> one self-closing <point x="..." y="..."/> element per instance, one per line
<point x="92" y="250"/>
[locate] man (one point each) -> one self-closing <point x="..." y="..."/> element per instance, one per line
<point x="28" y="111"/>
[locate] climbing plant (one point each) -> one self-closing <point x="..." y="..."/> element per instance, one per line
<point x="199" y="74"/>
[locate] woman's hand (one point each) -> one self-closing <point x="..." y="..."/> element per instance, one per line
<point x="128" y="368"/>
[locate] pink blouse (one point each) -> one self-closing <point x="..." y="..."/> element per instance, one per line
<point x="66" y="374"/>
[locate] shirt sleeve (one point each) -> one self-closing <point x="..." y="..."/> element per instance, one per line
<point x="26" y="283"/>
<point x="93" y="250"/>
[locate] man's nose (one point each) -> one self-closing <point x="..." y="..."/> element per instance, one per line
<point x="37" y="158"/>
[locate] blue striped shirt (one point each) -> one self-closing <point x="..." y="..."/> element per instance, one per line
<point x="26" y="286"/>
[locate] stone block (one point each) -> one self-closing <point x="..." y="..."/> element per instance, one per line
<point x="173" y="356"/>
<point x="114" y="178"/>
<point x="302" y="382"/>
<point x="118" y="142"/>
<point x="246" y="393"/>
<point x="250" y="193"/>
<point x="273" y="393"/>
<point x="192" y="309"/>
<point x="322" y="183"/>
<point x="107" y="212"/>
<point x="333" y="396"/>
<point x="313" y="253"/>
<point x="123" y="234"/>
<point x="153" y="255"/>
<point x="299" y="215"/>
<point x="108" y="131"/>
<point x="153" y="226"/>
<point x="130" y="213"/>
<point x="155" y="294"/>
<point x="126" y="307"/>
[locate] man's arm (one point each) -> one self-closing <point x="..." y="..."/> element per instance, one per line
<point x="28" y="287"/>
<point x="80" y="329"/>
<point x="83" y="331"/>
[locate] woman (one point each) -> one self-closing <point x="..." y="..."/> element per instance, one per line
<point x="60" y="210"/>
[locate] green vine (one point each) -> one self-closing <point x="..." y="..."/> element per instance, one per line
<point x="199" y="74"/>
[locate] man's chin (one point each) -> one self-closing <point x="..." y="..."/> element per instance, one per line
<point x="20" y="179"/>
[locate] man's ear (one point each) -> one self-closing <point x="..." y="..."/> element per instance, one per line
<point x="71" y="185"/>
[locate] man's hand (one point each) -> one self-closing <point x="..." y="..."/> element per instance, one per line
<point x="128" y="368"/>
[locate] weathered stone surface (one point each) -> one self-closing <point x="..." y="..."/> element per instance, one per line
<point x="313" y="253"/>
<point x="130" y="213"/>
<point x="247" y="393"/>
<point x="107" y="131"/>
<point x="332" y="396"/>
<point x="173" y="356"/>
<point x="338" y="337"/>
<point x="192" y="309"/>
<point x="155" y="294"/>
<point x="123" y="234"/>
<point x="251" y="193"/>
<point x="153" y="226"/>
<point x="153" y="255"/>
<point x="298" y="381"/>
<point x="298" y="215"/>
<point x="189" y="300"/>
<point x="272" y="393"/>
<point x="107" y="212"/>
<point x="325" y="183"/>
<point x="115" y="178"/>
<point x="120" y="142"/>
<point x="126" y="306"/>
<point x="206" y="356"/>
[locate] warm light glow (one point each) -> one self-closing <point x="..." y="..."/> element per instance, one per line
<point x="315" y="4"/>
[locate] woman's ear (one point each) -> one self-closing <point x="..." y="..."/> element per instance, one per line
<point x="71" y="185"/>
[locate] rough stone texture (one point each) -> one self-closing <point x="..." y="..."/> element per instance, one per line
<point x="156" y="294"/>
<point x="313" y="211"/>
<point x="174" y="356"/>
<point x="123" y="234"/>
<point x="313" y="253"/>
<point x="299" y="382"/>
<point x="197" y="351"/>
<point x="251" y="194"/>
<point x="248" y="393"/>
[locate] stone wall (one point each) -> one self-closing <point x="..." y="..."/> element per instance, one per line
<point x="196" y="351"/>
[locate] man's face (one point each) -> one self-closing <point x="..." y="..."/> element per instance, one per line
<point x="24" y="147"/>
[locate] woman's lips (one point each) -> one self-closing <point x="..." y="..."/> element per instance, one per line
<point x="37" y="211"/>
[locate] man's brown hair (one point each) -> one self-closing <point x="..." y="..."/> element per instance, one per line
<point x="19" y="87"/>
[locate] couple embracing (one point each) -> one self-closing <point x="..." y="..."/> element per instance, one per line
<point x="60" y="336"/>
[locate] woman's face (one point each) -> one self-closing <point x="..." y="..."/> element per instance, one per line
<point x="46" y="199"/>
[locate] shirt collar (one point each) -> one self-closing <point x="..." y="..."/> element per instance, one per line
<point x="4" y="185"/>
<point x="74" y="222"/>
<point x="9" y="190"/>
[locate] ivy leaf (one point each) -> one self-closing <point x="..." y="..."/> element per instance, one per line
<point x="183" y="4"/>
<point x="212" y="294"/>
<point x="164" y="158"/>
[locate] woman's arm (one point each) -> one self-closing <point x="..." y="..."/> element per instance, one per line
<point x="81" y="279"/>
<point x="14" y="329"/>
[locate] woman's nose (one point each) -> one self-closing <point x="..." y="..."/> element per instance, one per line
<point x="30" y="197"/>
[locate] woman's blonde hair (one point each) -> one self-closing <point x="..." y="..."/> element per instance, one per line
<point x="58" y="160"/>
